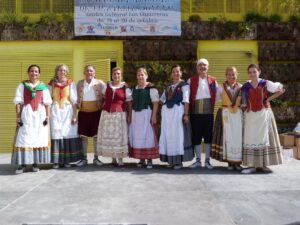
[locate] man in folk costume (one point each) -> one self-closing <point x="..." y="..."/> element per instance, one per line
<point x="89" y="93"/>
<point x="202" y="101"/>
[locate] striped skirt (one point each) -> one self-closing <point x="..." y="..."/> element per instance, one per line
<point x="261" y="145"/>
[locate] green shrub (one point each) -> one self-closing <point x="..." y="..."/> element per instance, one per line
<point x="12" y="19"/>
<point x="230" y="27"/>
<point x="294" y="18"/>
<point x="213" y="19"/>
<point x="49" y="19"/>
<point x="275" y="18"/>
<point x="254" y="17"/>
<point x="194" y="18"/>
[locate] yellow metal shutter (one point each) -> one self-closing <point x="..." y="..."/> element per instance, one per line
<point x="35" y="6"/>
<point x="13" y="69"/>
<point x="62" y="6"/>
<point x="233" y="6"/>
<point x="102" y="67"/>
<point x="10" y="74"/>
<point x="47" y="62"/>
<point x="100" y="54"/>
<point x="219" y="60"/>
<point x="207" y="6"/>
<point x="7" y="6"/>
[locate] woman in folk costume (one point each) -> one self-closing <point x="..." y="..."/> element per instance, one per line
<point x="175" y="144"/>
<point x="142" y="135"/>
<point x="65" y="141"/>
<point x="116" y="115"/>
<point x="261" y="146"/>
<point x="31" y="144"/>
<point x="227" y="134"/>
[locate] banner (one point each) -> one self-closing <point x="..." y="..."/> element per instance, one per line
<point x="127" y="17"/>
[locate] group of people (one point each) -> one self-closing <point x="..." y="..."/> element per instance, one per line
<point x="122" y="121"/>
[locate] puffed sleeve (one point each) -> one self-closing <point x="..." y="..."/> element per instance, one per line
<point x="19" y="97"/>
<point x="73" y="93"/>
<point x="163" y="97"/>
<point x="186" y="93"/>
<point x="274" y="86"/>
<point x="47" y="100"/>
<point x="154" y="95"/>
<point x="128" y="94"/>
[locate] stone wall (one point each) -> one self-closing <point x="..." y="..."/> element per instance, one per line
<point x="279" y="57"/>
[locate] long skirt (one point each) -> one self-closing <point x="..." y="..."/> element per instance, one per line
<point x="65" y="142"/>
<point x="112" y="140"/>
<point x="174" y="144"/>
<point x="142" y="136"/>
<point x="261" y="145"/>
<point x="31" y="144"/>
<point x="227" y="136"/>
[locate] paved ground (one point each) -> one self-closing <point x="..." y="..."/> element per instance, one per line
<point x="161" y="196"/>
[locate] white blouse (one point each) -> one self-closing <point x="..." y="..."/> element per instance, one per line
<point x="203" y="90"/>
<point x="153" y="93"/>
<point x="73" y="92"/>
<point x="19" y="97"/>
<point x="185" y="93"/>
<point x="88" y="90"/>
<point x="128" y="92"/>
<point x="274" y="86"/>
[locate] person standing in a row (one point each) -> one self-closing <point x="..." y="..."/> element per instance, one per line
<point x="31" y="144"/>
<point x="116" y="115"/>
<point x="89" y="104"/>
<point x="175" y="140"/>
<point x="261" y="145"/>
<point x="202" y="101"/>
<point x="142" y="132"/>
<point x="227" y="132"/>
<point x="65" y="142"/>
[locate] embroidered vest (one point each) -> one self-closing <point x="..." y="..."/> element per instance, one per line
<point x="255" y="97"/>
<point x="98" y="92"/>
<point x="229" y="101"/>
<point x="141" y="99"/>
<point x="61" y="94"/>
<point x="114" y="101"/>
<point x="194" y="87"/>
<point x="34" y="102"/>
<point x="175" y="96"/>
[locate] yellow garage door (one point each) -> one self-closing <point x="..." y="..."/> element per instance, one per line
<point x="15" y="57"/>
<point x="13" y="72"/>
<point x="222" y="54"/>
<point x="102" y="67"/>
<point x="13" y="69"/>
